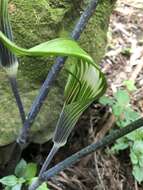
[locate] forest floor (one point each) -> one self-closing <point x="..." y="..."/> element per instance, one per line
<point x="101" y="171"/>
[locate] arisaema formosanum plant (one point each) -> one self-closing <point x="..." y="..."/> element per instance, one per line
<point x="85" y="82"/>
<point x="8" y="60"/>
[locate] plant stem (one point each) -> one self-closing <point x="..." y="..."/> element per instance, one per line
<point x="17" y="150"/>
<point x="52" y="153"/>
<point x="83" y="21"/>
<point x="53" y="73"/>
<point x="88" y="150"/>
<point x="14" y="86"/>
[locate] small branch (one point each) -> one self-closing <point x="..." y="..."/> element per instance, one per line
<point x="53" y="73"/>
<point x="91" y="148"/>
<point x="15" y="91"/>
<point x="83" y="21"/>
<point x="106" y="127"/>
<point x="98" y="172"/>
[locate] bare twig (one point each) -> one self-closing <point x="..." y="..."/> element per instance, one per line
<point x="136" y="185"/>
<point x="95" y="155"/>
<point x="137" y="70"/>
<point x="107" y="126"/>
<point x="98" y="172"/>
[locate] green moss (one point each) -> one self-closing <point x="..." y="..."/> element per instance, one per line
<point x="10" y="122"/>
<point x="94" y="38"/>
<point x="35" y="21"/>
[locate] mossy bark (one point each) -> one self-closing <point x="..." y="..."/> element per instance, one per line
<point x="35" y="21"/>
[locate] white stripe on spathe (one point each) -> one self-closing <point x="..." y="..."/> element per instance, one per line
<point x="12" y="69"/>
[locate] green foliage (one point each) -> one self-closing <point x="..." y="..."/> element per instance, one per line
<point x="106" y="101"/>
<point x="137" y="172"/>
<point x="122" y="97"/>
<point x="121" y="144"/>
<point x="20" y="168"/>
<point x="124" y="115"/>
<point x="10" y="181"/>
<point x="30" y="171"/>
<point x="127" y="51"/>
<point x="43" y="187"/>
<point x="130" y="84"/>
<point x="24" y="174"/>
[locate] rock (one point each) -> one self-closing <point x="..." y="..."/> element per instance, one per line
<point x="33" y="22"/>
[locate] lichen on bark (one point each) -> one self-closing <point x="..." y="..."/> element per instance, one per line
<point x="35" y="21"/>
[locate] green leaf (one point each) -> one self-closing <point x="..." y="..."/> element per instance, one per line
<point x="138" y="148"/>
<point x="130" y="84"/>
<point x="32" y="180"/>
<point x="121" y="144"/>
<point x="30" y="171"/>
<point x="7" y="188"/>
<point x="9" y="180"/>
<point x="17" y="187"/>
<point x="140" y="134"/>
<point x="126" y="51"/>
<point x="141" y="161"/>
<point x="117" y="109"/>
<point x="124" y="115"/>
<point x="134" y="158"/>
<point x="130" y="114"/>
<point x="20" y="168"/>
<point x="43" y="187"/>
<point x="122" y="97"/>
<point x="122" y="123"/>
<point x="106" y="101"/>
<point x="21" y="180"/>
<point x="51" y="48"/>
<point x="138" y="173"/>
<point x="135" y="135"/>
